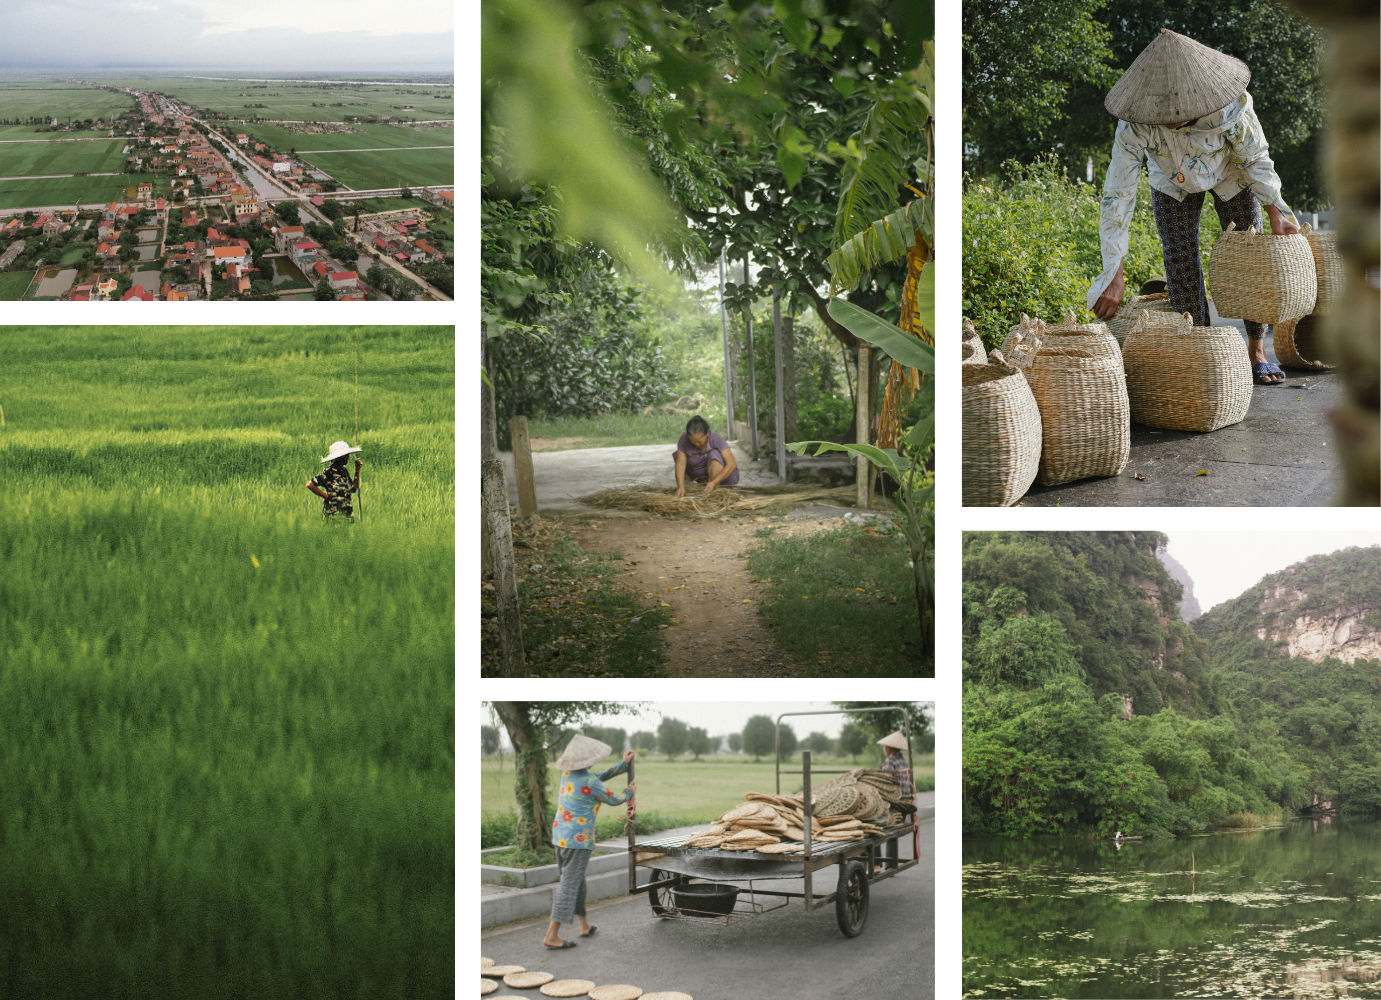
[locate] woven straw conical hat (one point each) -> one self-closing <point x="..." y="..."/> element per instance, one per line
<point x="1176" y="79"/>
<point x="583" y="752"/>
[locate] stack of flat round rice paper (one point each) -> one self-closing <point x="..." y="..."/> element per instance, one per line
<point x="834" y="799"/>
<point x="568" y="988"/>
<point x="748" y="840"/>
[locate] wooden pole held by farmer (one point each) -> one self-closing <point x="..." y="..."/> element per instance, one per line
<point x="522" y="466"/>
<point x="779" y="378"/>
<point x="494" y="489"/>
<point x="862" y="418"/>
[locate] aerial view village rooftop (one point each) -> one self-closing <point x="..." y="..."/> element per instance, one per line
<point x="230" y="189"/>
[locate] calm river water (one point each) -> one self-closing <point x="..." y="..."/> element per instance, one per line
<point x="1288" y="912"/>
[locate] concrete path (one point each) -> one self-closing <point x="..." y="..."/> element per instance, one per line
<point x="1281" y="455"/>
<point x="787" y="954"/>
<point x="561" y="476"/>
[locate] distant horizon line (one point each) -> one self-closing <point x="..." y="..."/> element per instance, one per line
<point x="169" y="70"/>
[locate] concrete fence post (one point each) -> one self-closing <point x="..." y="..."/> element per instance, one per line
<point x="862" y="419"/>
<point x="494" y="489"/>
<point x="522" y="466"/>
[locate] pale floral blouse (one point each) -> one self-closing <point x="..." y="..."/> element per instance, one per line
<point x="1224" y="152"/>
<point x="577" y="805"/>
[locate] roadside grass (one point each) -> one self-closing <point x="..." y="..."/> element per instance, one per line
<point x="500" y="829"/>
<point x="45" y="192"/>
<point x="362" y="171"/>
<point x="578" y="620"/>
<point x="621" y="429"/>
<point x="369" y="136"/>
<point x="88" y="156"/>
<point x="13" y="284"/>
<point x="226" y="727"/>
<point x="685" y="791"/>
<point x="841" y="599"/>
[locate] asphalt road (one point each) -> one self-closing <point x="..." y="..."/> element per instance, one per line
<point x="784" y="955"/>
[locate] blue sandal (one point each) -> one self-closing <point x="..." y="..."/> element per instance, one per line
<point x="1261" y="369"/>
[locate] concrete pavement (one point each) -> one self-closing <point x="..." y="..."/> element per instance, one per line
<point x="786" y="954"/>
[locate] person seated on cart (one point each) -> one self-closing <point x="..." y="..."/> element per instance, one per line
<point x="704" y="457"/>
<point x="573" y="832"/>
<point x="894" y="748"/>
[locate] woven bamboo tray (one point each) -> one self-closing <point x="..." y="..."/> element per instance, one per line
<point x="1086" y="427"/>
<point x="1091" y="337"/>
<point x="1299" y="343"/>
<point x="1187" y="378"/>
<point x="1001" y="434"/>
<point x="974" y="352"/>
<point x="1261" y="276"/>
<point x="1122" y="322"/>
<point x="1329" y="271"/>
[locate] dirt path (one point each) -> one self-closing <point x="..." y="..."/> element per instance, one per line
<point x="697" y="567"/>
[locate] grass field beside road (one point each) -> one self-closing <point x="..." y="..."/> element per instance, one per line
<point x="25" y="159"/>
<point x="35" y="193"/>
<point x="293" y="101"/>
<point x="364" y="171"/>
<point x="46" y="99"/>
<point x="226" y="726"/>
<point x="690" y="790"/>
<point x="12" y="285"/>
<point x="368" y="137"/>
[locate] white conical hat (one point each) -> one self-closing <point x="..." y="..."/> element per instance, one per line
<point x="1176" y="79"/>
<point x="582" y="752"/>
<point x="894" y="740"/>
<point x="338" y="449"/>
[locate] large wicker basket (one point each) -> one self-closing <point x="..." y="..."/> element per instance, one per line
<point x="1092" y="337"/>
<point x="1329" y="271"/>
<point x="1085" y="415"/>
<point x="1002" y="434"/>
<point x="1121" y="324"/>
<point x="1261" y="276"/>
<point x="1298" y="342"/>
<point x="1187" y="378"/>
<point x="974" y="353"/>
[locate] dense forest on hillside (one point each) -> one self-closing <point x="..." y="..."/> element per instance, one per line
<point x="1089" y="706"/>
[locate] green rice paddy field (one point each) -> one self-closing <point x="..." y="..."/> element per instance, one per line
<point x="48" y="99"/>
<point x="25" y="159"/>
<point x="364" y="171"/>
<point x="226" y="725"/>
<point x="36" y="192"/>
<point x="293" y="101"/>
<point x="368" y="137"/>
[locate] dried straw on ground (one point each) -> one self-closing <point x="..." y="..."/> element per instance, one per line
<point x="663" y="499"/>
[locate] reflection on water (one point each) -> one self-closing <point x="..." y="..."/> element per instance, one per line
<point x="285" y="270"/>
<point x="1287" y="912"/>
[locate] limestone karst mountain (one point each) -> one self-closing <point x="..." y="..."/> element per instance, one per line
<point x="1327" y="605"/>
<point x="1189" y="605"/>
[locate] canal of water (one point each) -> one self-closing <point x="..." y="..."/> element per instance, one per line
<point x="1293" y="911"/>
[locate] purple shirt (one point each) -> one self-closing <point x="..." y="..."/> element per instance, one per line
<point x="698" y="462"/>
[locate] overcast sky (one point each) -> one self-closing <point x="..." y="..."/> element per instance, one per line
<point x="719" y="718"/>
<point x="344" y="36"/>
<point x="1223" y="564"/>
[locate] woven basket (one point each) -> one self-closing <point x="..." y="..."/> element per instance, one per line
<point x="1091" y="337"/>
<point x="1187" y="378"/>
<point x="1121" y="324"/>
<point x="1262" y="277"/>
<point x="1002" y="434"/>
<point x="1328" y="268"/>
<point x="974" y="352"/>
<point x="1086" y="427"/>
<point x="1298" y="342"/>
<point x="1023" y="341"/>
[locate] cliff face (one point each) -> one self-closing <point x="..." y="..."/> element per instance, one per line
<point x="1325" y="606"/>
<point x="1189" y="605"/>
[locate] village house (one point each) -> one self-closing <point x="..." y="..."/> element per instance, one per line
<point x="15" y="249"/>
<point x="344" y="279"/>
<point x="106" y="288"/>
<point x="285" y="236"/>
<point x="138" y="293"/>
<point x="233" y="254"/>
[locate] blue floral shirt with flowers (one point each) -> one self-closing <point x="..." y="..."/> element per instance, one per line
<point x="577" y="805"/>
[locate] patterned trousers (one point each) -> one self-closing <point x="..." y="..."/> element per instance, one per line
<point x="1178" y="225"/>
<point x="569" y="898"/>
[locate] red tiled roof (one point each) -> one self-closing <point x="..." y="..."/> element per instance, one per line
<point x="344" y="276"/>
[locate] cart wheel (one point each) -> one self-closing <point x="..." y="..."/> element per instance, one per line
<point x="851" y="898"/>
<point x="659" y="898"/>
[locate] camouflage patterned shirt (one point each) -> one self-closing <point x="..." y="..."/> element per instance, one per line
<point x="337" y="484"/>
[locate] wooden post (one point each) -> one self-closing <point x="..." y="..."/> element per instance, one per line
<point x="522" y="466"/>
<point x="494" y="488"/>
<point x="805" y="803"/>
<point x="862" y="418"/>
<point x="778" y="377"/>
<point x="752" y="381"/>
<point x="728" y="364"/>
<point x="632" y="838"/>
<point x="789" y="370"/>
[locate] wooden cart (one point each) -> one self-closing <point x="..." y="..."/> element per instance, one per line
<point x="857" y="863"/>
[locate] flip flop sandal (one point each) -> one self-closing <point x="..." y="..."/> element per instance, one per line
<point x="564" y="945"/>
<point x="590" y="932"/>
<point x="1260" y="369"/>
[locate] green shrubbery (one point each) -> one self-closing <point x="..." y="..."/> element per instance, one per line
<point x="1031" y="245"/>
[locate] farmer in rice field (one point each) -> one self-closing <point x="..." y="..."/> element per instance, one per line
<point x="573" y="831"/>
<point x="334" y="484"/>
<point x="1184" y="110"/>
<point x="704" y="457"/>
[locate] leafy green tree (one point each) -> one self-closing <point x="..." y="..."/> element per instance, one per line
<point x="323" y="292"/>
<point x="673" y="737"/>
<point x="786" y="741"/>
<point x="852" y="739"/>
<point x="759" y="737"/>
<point x="735" y="742"/>
<point x="1023" y="652"/>
<point x="644" y="741"/>
<point x="489" y="740"/>
<point x="715" y="743"/>
<point x="698" y="741"/>
<point x="819" y="743"/>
